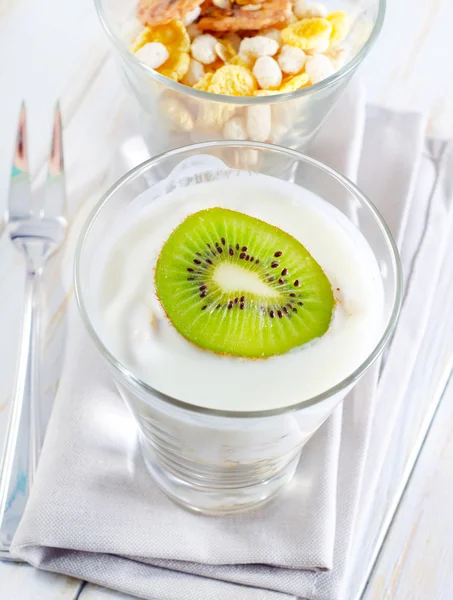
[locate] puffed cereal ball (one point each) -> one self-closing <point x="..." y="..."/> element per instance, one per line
<point x="258" y="46"/>
<point x="291" y="59"/>
<point x="259" y="122"/>
<point x="194" y="74"/>
<point x="203" y="48"/>
<point x="267" y="73"/>
<point x="235" y="129"/>
<point x="318" y="67"/>
<point x="191" y="16"/>
<point x="273" y="34"/>
<point x="302" y="10"/>
<point x="153" y="54"/>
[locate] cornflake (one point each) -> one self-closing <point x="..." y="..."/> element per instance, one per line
<point x="242" y="60"/>
<point x="176" y="67"/>
<point x="233" y="80"/>
<point x="340" y="26"/>
<point x="203" y="83"/>
<point x="307" y="33"/>
<point x="172" y="35"/>
<point x="176" y="40"/>
<point x="225" y="50"/>
<point x="291" y="84"/>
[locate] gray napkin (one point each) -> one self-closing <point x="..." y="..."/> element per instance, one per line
<point x="94" y="513"/>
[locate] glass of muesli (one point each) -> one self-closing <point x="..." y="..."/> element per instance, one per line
<point x="262" y="70"/>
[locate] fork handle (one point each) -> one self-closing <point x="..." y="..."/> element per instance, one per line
<point x="23" y="437"/>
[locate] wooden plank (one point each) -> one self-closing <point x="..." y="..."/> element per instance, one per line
<point x="416" y="561"/>
<point x="410" y="66"/>
<point x="22" y="582"/>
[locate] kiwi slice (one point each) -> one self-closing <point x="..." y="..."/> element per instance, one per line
<point x="236" y="285"/>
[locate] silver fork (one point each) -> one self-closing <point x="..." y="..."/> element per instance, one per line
<point x="37" y="233"/>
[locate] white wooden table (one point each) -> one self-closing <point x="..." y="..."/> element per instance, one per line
<point x="57" y="50"/>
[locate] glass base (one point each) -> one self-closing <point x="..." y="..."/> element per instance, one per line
<point x="216" y="501"/>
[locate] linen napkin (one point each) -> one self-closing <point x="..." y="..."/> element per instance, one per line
<point x="94" y="513"/>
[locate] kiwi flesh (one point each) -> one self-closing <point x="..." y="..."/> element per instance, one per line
<point x="233" y="284"/>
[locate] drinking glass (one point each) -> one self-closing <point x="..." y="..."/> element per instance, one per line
<point x="175" y="115"/>
<point x="221" y="461"/>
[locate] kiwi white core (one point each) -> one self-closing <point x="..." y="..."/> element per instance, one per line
<point x="124" y="288"/>
<point x="232" y="278"/>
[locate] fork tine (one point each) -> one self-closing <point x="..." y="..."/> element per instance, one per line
<point x="20" y="197"/>
<point x="56" y="164"/>
<point x="55" y="204"/>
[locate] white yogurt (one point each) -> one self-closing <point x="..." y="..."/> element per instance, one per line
<point x="135" y="329"/>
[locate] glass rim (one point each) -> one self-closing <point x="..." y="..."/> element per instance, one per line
<point x="120" y="45"/>
<point x="135" y="381"/>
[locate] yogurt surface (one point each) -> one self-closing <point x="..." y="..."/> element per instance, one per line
<point x="135" y="329"/>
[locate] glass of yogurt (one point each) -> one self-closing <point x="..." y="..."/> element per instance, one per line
<point x="223" y="413"/>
